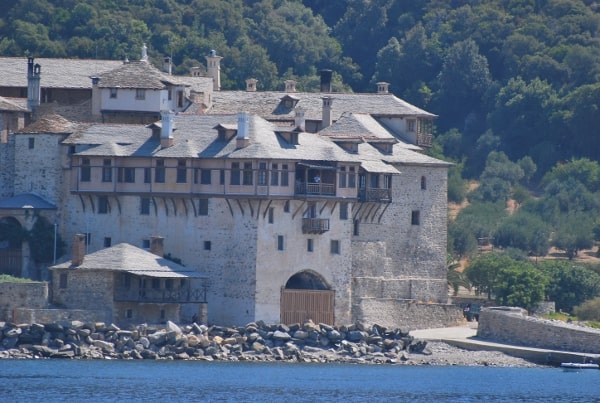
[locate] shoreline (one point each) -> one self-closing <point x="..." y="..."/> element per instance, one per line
<point x="257" y="342"/>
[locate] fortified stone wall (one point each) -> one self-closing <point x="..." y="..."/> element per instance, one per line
<point x="85" y="289"/>
<point x="21" y="295"/>
<point x="407" y="315"/>
<point x="25" y="315"/>
<point x="7" y="167"/>
<point x="514" y="326"/>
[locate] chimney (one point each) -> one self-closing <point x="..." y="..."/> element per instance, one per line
<point x="78" y="249"/>
<point x="166" y="133"/>
<point x="167" y="66"/>
<point x="144" y="53"/>
<point x="299" y="120"/>
<point x="251" y="85"/>
<point x="242" y="139"/>
<point x="33" y="84"/>
<point x="157" y="245"/>
<point x="383" y="87"/>
<point x="96" y="97"/>
<point x="290" y="85"/>
<point x="326" y="119"/>
<point x="213" y="68"/>
<point x="326" y="80"/>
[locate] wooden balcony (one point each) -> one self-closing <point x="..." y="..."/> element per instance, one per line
<point x="375" y="195"/>
<point x="325" y="189"/>
<point x="315" y="225"/>
<point x="424" y="140"/>
<point x="150" y="295"/>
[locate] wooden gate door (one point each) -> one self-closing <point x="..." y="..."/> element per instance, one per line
<point x="10" y="261"/>
<point x="298" y="306"/>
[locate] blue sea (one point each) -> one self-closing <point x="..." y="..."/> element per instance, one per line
<point x="195" y="381"/>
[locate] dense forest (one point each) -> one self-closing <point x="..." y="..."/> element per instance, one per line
<point x="514" y="82"/>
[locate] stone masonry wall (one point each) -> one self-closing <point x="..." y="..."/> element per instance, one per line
<point x="21" y="295"/>
<point x="7" y="167"/>
<point x="25" y="315"/>
<point x="514" y="326"/>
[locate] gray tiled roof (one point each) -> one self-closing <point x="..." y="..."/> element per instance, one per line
<point x="55" y="73"/>
<point x="195" y="136"/>
<point x="131" y="259"/>
<point x="13" y="104"/>
<point x="137" y="74"/>
<point x="26" y="201"/>
<point x="268" y="104"/>
<point x="51" y="123"/>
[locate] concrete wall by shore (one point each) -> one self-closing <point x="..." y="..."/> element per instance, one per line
<point x="25" y="315"/>
<point x="514" y="326"/>
<point x="21" y="295"/>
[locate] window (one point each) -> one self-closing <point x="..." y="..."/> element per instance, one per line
<point x="181" y="172"/>
<point x="169" y="283"/>
<point x="387" y="181"/>
<point x="280" y="242"/>
<point x="170" y="94"/>
<point x="205" y="176"/>
<point x="203" y="207"/>
<point x="113" y="92"/>
<point x="284" y="175"/>
<point x="343" y="211"/>
<point x="88" y="238"/>
<point x="309" y="245"/>
<point x="262" y="173"/>
<point x="129" y="314"/>
<point x="103" y="206"/>
<point x="343" y="176"/>
<point x="410" y="125"/>
<point x="126" y="175"/>
<point x="247" y="173"/>
<point x="147" y="175"/>
<point x="311" y="210"/>
<point x="356" y="227"/>
<point x="107" y="170"/>
<point x="352" y="177"/>
<point x="207" y="245"/>
<point x="286" y="206"/>
<point x="145" y="206"/>
<point x="423" y="183"/>
<point x="221" y="177"/>
<point x="271" y="212"/>
<point x="107" y="241"/>
<point x="335" y="247"/>
<point x="86" y="170"/>
<point x="180" y="99"/>
<point x="62" y="282"/>
<point x="162" y="313"/>
<point x="235" y="173"/>
<point x="31" y="143"/>
<point x="274" y="175"/>
<point x="374" y="181"/>
<point x="156" y="283"/>
<point x="415" y="217"/>
<point x="159" y="172"/>
<point x="127" y="281"/>
<point x="140" y="94"/>
<point x="146" y="243"/>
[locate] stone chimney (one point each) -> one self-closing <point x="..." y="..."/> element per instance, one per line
<point x="213" y="68"/>
<point x="78" y="249"/>
<point x="243" y="139"/>
<point x="33" y="84"/>
<point x="144" y="57"/>
<point x="167" y="66"/>
<point x="299" y="120"/>
<point x="251" y="85"/>
<point x="166" y="132"/>
<point x="383" y="87"/>
<point x="290" y="85"/>
<point x="326" y="117"/>
<point x="157" y="245"/>
<point x="326" y="80"/>
<point x="96" y="97"/>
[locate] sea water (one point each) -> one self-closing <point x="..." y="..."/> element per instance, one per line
<point x="196" y="381"/>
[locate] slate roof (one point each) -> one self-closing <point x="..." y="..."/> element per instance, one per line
<point x="50" y="123"/>
<point x="195" y="136"/>
<point x="55" y="73"/>
<point x="13" y="104"/>
<point x="124" y="257"/>
<point x="137" y="74"/>
<point x="26" y="201"/>
<point x="269" y="104"/>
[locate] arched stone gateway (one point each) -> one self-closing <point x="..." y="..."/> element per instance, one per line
<point x="11" y="239"/>
<point x="306" y="295"/>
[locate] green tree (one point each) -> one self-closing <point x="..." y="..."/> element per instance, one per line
<point x="570" y="284"/>
<point x="574" y="232"/>
<point x="520" y="284"/>
<point x="524" y="231"/>
<point x="41" y="242"/>
<point x="484" y="271"/>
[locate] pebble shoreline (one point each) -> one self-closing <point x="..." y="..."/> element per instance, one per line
<point x="257" y="341"/>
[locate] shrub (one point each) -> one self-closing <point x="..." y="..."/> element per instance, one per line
<point x="589" y="310"/>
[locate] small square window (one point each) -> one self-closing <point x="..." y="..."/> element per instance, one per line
<point x="113" y="92"/>
<point x="31" y="143"/>
<point x="309" y="245"/>
<point x="107" y="242"/>
<point x="145" y="243"/>
<point x="280" y="245"/>
<point x="207" y="245"/>
<point x="335" y="247"/>
<point x="129" y="313"/>
<point x="205" y="176"/>
<point x="415" y="218"/>
<point x="62" y="283"/>
<point x="140" y="94"/>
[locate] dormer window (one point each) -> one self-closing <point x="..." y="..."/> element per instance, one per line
<point x="289" y="102"/>
<point x="113" y="92"/>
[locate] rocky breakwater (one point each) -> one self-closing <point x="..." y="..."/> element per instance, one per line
<point x="254" y="342"/>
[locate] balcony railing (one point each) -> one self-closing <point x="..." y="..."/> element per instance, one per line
<point x="327" y="189"/>
<point x="375" y="195"/>
<point x="176" y="296"/>
<point x="315" y="225"/>
<point x="424" y="140"/>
